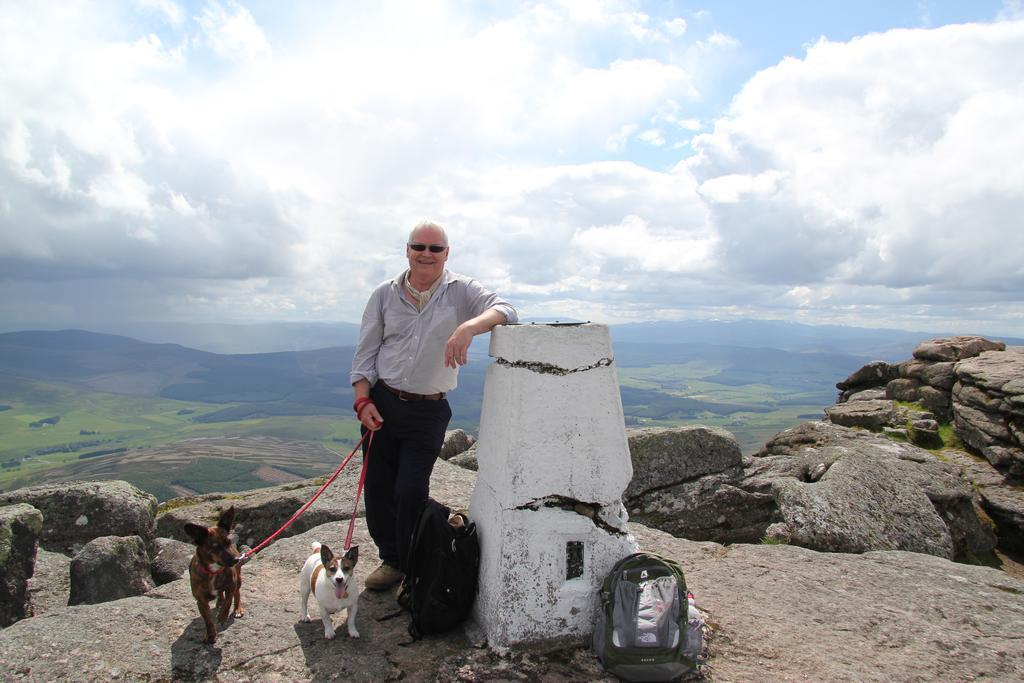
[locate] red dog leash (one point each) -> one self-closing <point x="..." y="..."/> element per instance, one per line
<point x="359" y="490"/>
<point x="248" y="555"/>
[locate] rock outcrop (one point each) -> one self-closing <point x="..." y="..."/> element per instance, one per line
<point x="988" y="407"/>
<point x="1002" y="503"/>
<point x="171" y="561"/>
<point x="819" y="485"/>
<point x="973" y="383"/>
<point x="20" y="526"/>
<point x="466" y="459"/>
<point x="843" y="490"/>
<point x="793" y="608"/>
<point x="687" y="481"/>
<point x="108" y="568"/>
<point x="778" y="613"/>
<point x="874" y="374"/>
<point x="77" y="512"/>
<point x="50" y="585"/>
<point x="456" y="441"/>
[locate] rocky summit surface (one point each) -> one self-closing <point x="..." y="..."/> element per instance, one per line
<point x="776" y="613"/>
<point x="827" y="556"/>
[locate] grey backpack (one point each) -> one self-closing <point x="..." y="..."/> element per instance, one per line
<point x="643" y="632"/>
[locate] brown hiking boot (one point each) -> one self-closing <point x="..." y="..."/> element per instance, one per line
<point x="383" y="577"/>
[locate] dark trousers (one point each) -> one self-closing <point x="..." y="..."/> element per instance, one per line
<point x="398" y="469"/>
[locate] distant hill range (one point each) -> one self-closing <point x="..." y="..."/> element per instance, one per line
<point x="789" y="364"/>
<point x="242" y="338"/>
<point x="73" y="400"/>
<point x="316" y="380"/>
<point x="270" y="337"/>
<point x="284" y="383"/>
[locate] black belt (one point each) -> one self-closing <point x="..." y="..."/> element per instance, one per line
<point x="409" y="396"/>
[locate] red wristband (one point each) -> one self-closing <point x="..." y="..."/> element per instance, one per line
<point x="361" y="403"/>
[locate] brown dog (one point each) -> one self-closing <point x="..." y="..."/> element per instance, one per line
<point x="215" y="571"/>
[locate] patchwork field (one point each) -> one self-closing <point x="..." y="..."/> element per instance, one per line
<point x="156" y="443"/>
<point x="164" y="447"/>
<point x="207" y="464"/>
<point x="176" y="421"/>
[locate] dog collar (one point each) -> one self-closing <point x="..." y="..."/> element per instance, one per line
<point x="209" y="572"/>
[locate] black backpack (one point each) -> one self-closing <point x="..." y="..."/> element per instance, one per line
<point x="442" y="570"/>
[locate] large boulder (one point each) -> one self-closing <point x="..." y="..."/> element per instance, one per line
<point x="988" y="407"/>
<point x="171" y="560"/>
<point x="20" y="526"/>
<point x="821" y="485"/>
<point x="847" y="490"/>
<point x="673" y="455"/>
<point x="938" y="374"/>
<point x="872" y="415"/>
<point x="74" y="513"/>
<point x="860" y="504"/>
<point x="875" y="394"/>
<point x="455" y="441"/>
<point x="874" y="374"/>
<point x="109" y="568"/>
<point x="684" y="482"/>
<point x="1003" y="503"/>
<point x="932" y="399"/>
<point x="945" y="349"/>
<point x="711" y="508"/>
<point x="50" y="584"/>
<point x="466" y="459"/>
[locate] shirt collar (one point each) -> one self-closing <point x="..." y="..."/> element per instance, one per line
<point x="422" y="298"/>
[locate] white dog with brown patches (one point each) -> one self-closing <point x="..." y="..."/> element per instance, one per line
<point x="332" y="581"/>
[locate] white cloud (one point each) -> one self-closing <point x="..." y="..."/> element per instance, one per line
<point x="231" y="31"/>
<point x="216" y="167"/>
<point x="735" y="187"/>
<point x="888" y="160"/>
<point x="676" y="27"/>
<point x="120" y="191"/>
<point x="653" y="136"/>
<point x="719" y="39"/>
<point x="170" y="10"/>
<point x="631" y="240"/>
<point x="617" y="142"/>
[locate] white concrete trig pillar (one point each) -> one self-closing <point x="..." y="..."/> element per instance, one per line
<point x="553" y="464"/>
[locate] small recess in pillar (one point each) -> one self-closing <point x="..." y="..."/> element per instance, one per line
<point x="573" y="560"/>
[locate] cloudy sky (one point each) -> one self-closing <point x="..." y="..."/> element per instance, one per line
<point x="821" y="162"/>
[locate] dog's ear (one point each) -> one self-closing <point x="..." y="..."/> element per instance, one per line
<point x="196" y="532"/>
<point x="227" y="519"/>
<point x="326" y="555"/>
<point x="353" y="554"/>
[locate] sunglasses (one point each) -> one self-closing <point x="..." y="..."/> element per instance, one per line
<point x="434" y="248"/>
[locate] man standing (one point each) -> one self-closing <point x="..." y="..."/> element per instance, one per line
<point x="415" y="333"/>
